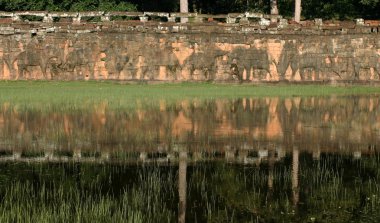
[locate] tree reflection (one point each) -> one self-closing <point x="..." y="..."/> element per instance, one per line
<point x="182" y="186"/>
<point x="295" y="170"/>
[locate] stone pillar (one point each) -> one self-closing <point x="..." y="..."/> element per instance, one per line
<point x="242" y="156"/>
<point x="77" y="154"/>
<point x="273" y="11"/>
<point x="105" y="155"/>
<point x="229" y="155"/>
<point x="318" y="22"/>
<point x="171" y="19"/>
<point x="143" y="156"/>
<point x="244" y="21"/>
<point x="263" y="153"/>
<point x="357" y="154"/>
<point x="143" y="18"/>
<point x="273" y="7"/>
<point x="76" y="20"/>
<point x="105" y="18"/>
<point x="197" y="155"/>
<point x="264" y="22"/>
<point x="283" y="23"/>
<point x="16" y="18"/>
<point x="231" y="20"/>
<point x="317" y="154"/>
<point x="48" y="154"/>
<point x="48" y="19"/>
<point x="170" y="156"/>
<point x="359" y="22"/>
<point x="280" y="152"/>
<point x="198" y="19"/>
<point x="16" y="155"/>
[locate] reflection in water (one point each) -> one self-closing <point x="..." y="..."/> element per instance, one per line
<point x="322" y="124"/>
<point x="250" y="159"/>
<point x="295" y="165"/>
<point x="182" y="185"/>
<point x="336" y="188"/>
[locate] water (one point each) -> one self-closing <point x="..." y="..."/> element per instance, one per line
<point x="313" y="159"/>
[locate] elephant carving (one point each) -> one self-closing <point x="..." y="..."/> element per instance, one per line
<point x="366" y="60"/>
<point x="28" y="61"/>
<point x="250" y="59"/>
<point x="79" y="62"/>
<point x="309" y="64"/>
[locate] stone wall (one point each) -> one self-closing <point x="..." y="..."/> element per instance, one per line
<point x="135" y="50"/>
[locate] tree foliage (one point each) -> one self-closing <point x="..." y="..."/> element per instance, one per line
<point x="333" y="9"/>
<point x="66" y="5"/>
<point x="326" y="9"/>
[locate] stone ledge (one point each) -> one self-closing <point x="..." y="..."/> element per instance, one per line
<point x="211" y="27"/>
<point x="230" y="18"/>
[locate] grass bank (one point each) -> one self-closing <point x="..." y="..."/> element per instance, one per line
<point x="78" y="93"/>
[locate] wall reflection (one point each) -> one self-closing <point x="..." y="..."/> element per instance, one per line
<point x="182" y="186"/>
<point x="274" y="151"/>
<point x="321" y="123"/>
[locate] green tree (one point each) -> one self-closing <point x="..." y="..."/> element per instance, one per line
<point x="101" y="5"/>
<point x="325" y="9"/>
<point x="66" y="5"/>
<point x="369" y="2"/>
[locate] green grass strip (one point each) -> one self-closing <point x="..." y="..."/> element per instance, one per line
<point x="79" y="93"/>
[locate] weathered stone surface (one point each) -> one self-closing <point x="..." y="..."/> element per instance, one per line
<point x="187" y="52"/>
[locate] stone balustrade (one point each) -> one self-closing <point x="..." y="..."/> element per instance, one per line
<point x="142" y="16"/>
<point x="230" y="18"/>
<point x="247" y="156"/>
<point x="107" y="16"/>
<point x="163" y="22"/>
